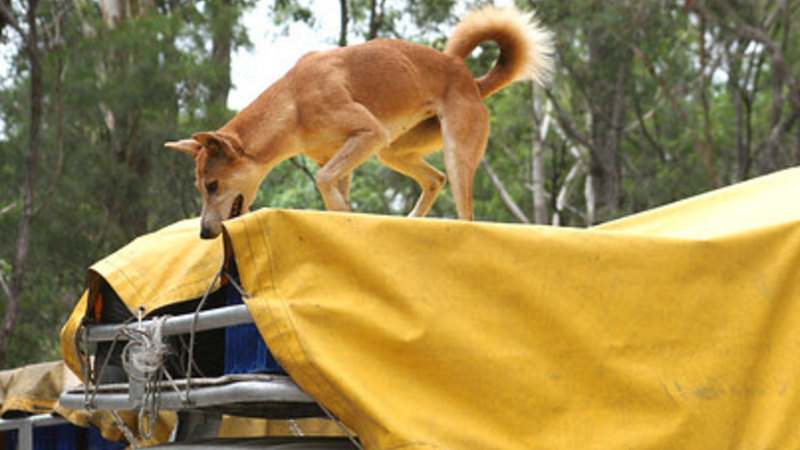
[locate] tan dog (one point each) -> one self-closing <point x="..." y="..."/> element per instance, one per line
<point x="390" y="98"/>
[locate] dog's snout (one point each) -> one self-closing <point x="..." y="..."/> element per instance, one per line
<point x="207" y="233"/>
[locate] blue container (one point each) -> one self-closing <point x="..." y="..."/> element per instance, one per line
<point x="96" y="441"/>
<point x="8" y="440"/>
<point x="56" y="437"/>
<point x="245" y="349"/>
<point x="62" y="437"/>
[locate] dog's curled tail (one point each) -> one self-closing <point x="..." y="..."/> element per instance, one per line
<point x="526" y="47"/>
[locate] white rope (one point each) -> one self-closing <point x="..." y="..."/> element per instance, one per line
<point x="143" y="360"/>
<point x="125" y="430"/>
<point x="295" y="428"/>
<point x="143" y="356"/>
<point x="193" y="332"/>
<point x="350" y="435"/>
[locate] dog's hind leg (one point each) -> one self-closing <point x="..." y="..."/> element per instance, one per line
<point x="465" y="130"/>
<point x="405" y="155"/>
<point x="364" y="135"/>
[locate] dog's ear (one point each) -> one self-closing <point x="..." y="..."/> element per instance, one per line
<point x="189" y="146"/>
<point x="218" y="143"/>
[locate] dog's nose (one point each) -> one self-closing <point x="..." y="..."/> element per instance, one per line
<point x="207" y="233"/>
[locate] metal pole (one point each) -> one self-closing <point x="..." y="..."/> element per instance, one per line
<point x="25" y="436"/>
<point x="38" y="420"/>
<point x="206" y="320"/>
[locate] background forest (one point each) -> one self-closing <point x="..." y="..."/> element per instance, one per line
<point x="652" y="101"/>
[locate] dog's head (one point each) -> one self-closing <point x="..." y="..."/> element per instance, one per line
<point x="226" y="178"/>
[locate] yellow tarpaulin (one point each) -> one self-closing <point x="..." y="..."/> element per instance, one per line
<point x="34" y="389"/>
<point x="442" y="334"/>
<point x="170" y="266"/>
<point x="670" y="329"/>
<point x="763" y="202"/>
<point x="158" y="269"/>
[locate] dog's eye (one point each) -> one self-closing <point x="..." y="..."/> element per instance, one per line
<point x="212" y="187"/>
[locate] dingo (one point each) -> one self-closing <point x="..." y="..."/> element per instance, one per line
<point x="390" y="98"/>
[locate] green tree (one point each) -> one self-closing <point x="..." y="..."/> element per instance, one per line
<point x="109" y="102"/>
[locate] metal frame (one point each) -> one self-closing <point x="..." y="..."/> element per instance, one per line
<point x="25" y="426"/>
<point x="205" y="392"/>
<point x="178" y="395"/>
<point x="182" y="324"/>
<point x="271" y="394"/>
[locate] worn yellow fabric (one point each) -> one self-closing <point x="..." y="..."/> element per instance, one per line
<point x="169" y="266"/>
<point x="35" y="388"/>
<point x="70" y="337"/>
<point x="675" y="329"/>
<point x="241" y="427"/>
<point x="6" y="378"/>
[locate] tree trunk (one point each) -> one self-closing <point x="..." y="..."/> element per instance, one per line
<point x="15" y="290"/>
<point x="607" y="115"/>
<point x="785" y="86"/>
<point x="129" y="207"/>
<point x="343" y="23"/>
<point x="375" y="19"/>
<point x="508" y="201"/>
<point x="113" y="12"/>
<point x="708" y="145"/>
<point x="742" y="150"/>
<point x="542" y="120"/>
<point x="223" y="20"/>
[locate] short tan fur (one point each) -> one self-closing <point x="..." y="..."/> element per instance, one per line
<point x="392" y="99"/>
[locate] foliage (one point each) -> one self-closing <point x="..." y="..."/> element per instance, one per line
<point x="110" y="104"/>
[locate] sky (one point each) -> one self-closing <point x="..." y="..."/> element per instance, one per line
<point x="273" y="54"/>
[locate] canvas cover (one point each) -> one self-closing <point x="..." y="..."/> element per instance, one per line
<point x="34" y="389"/>
<point x="155" y="270"/>
<point x="675" y="328"/>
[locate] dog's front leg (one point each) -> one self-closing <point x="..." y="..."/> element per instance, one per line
<point x="344" y="186"/>
<point x="333" y="179"/>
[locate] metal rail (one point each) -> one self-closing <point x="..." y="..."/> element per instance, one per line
<point x="247" y="389"/>
<point x="206" y="320"/>
<point x="25" y="426"/>
<point x="205" y="392"/>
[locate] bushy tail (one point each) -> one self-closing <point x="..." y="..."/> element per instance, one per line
<point x="526" y="48"/>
